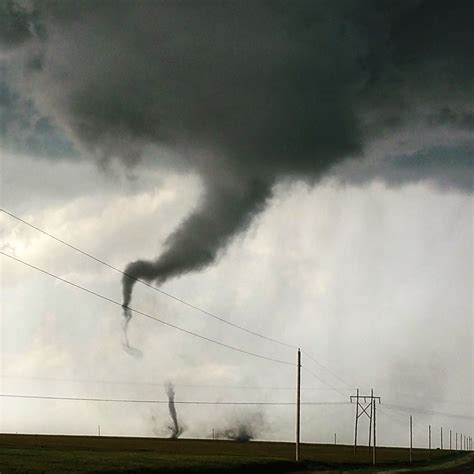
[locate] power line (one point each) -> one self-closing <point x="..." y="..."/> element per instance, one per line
<point x="324" y="382"/>
<point x="156" y="384"/>
<point x="159" y="402"/>
<point x="401" y="415"/>
<point x="180" y="300"/>
<point x="327" y="369"/>
<point x="427" y="412"/>
<point x="404" y="394"/>
<point x="169" y="295"/>
<point x="392" y="417"/>
<point x="146" y="315"/>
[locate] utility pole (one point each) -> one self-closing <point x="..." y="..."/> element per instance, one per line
<point x="429" y="442"/>
<point x="411" y="438"/>
<point x="450" y="446"/>
<point x="370" y="416"/>
<point x="375" y="433"/>
<point x="298" y="404"/>
<point x="364" y="403"/>
<point x="98" y="430"/>
<point x="356" y="421"/>
<point x="335" y="438"/>
<point x="456" y="441"/>
<point x="441" y="438"/>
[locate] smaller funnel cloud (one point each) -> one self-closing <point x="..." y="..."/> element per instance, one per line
<point x="175" y="428"/>
<point x="244" y="428"/>
<point x="133" y="351"/>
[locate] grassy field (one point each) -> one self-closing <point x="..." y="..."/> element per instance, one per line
<point x="89" y="454"/>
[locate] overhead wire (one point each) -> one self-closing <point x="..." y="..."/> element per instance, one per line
<point x="393" y="415"/>
<point x="323" y="381"/>
<point x="328" y="370"/>
<point x="110" y="300"/>
<point x="180" y="300"/>
<point x="160" y="402"/>
<point x="424" y="411"/>
<point x="143" y="282"/>
<point x="146" y="315"/>
<point x="156" y="384"/>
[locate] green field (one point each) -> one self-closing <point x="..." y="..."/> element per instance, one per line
<point x="90" y="454"/>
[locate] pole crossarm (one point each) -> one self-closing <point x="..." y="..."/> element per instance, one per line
<point x="365" y="397"/>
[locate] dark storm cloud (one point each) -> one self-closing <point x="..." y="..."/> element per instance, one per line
<point x="15" y="24"/>
<point x="24" y="130"/>
<point x="248" y="92"/>
<point x="445" y="167"/>
<point x="460" y="120"/>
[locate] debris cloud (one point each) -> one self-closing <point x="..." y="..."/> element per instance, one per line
<point x="243" y="427"/>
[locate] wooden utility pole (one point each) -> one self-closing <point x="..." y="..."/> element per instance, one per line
<point x="411" y="438"/>
<point x="456" y="445"/>
<point x="441" y="437"/>
<point x="375" y="433"/>
<point x="335" y="438"/>
<point x="356" y="421"/>
<point x="370" y="416"/>
<point x="98" y="430"/>
<point x="429" y="442"/>
<point x="298" y="404"/>
<point x="450" y="444"/>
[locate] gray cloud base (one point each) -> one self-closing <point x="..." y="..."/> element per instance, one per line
<point x="247" y="92"/>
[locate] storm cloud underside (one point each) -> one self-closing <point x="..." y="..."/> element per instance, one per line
<point x="246" y="93"/>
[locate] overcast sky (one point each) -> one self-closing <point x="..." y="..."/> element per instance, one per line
<point x="302" y="169"/>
